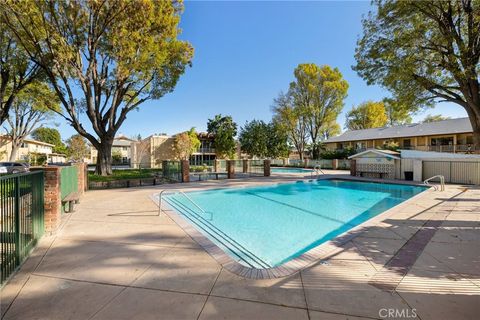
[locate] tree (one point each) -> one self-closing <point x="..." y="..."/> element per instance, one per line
<point x="253" y="138"/>
<point x="397" y="113"/>
<point x="186" y="143"/>
<point x="277" y="142"/>
<point x="318" y="92"/>
<point x="103" y="58"/>
<point x="263" y="140"/>
<point x="424" y="52"/>
<point x="77" y="148"/>
<point x="117" y="156"/>
<point x="330" y="129"/>
<point x="17" y="70"/>
<point x="30" y="108"/>
<point x="52" y="136"/>
<point x="224" y="131"/>
<point x="291" y="119"/>
<point x="367" y="115"/>
<point x="434" y="118"/>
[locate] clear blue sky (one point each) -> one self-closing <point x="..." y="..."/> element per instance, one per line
<point x="245" y="54"/>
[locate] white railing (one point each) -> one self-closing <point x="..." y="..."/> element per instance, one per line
<point x="442" y="182"/>
<point x="160" y="195"/>
<point x="317" y="170"/>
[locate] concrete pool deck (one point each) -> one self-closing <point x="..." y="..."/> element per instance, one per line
<point x="114" y="258"/>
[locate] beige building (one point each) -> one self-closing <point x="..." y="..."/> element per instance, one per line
<point x="122" y="148"/>
<point x="151" y="151"/>
<point x="29" y="150"/>
<point x="453" y="135"/>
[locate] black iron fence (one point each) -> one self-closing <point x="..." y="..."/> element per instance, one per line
<point x="172" y="170"/>
<point x="21" y="218"/>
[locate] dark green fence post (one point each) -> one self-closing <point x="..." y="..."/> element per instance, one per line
<point x="17" y="220"/>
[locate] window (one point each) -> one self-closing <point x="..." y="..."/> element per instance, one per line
<point x="442" y="141"/>
<point x="360" y="145"/>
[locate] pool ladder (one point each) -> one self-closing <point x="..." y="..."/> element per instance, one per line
<point x="160" y="195"/>
<point x="317" y="169"/>
<point x="442" y="182"/>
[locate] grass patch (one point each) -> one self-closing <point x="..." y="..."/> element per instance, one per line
<point x="125" y="175"/>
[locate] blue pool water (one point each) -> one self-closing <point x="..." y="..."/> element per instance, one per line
<point x="267" y="226"/>
<point x="290" y="170"/>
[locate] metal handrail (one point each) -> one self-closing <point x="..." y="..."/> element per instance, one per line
<point x="317" y="169"/>
<point x="442" y="182"/>
<point x="176" y="191"/>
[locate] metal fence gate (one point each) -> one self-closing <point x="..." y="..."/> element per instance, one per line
<point x="21" y="218"/>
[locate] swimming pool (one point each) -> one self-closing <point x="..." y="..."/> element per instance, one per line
<point x="290" y="170"/>
<point x="264" y="227"/>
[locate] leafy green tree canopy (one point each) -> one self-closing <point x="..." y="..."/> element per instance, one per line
<point x="32" y="106"/>
<point x="186" y="143"/>
<point x="224" y="131"/>
<point x="424" y="52"/>
<point x="253" y="138"/>
<point x="17" y="70"/>
<point x="261" y="139"/>
<point x="319" y="93"/>
<point x="367" y="115"/>
<point x="434" y="118"/>
<point x="103" y="58"/>
<point x="291" y="119"/>
<point x="397" y="113"/>
<point x="330" y="129"/>
<point x="52" y="136"/>
<point x="77" y="148"/>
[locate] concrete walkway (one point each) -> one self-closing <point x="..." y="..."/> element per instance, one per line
<point x="115" y="259"/>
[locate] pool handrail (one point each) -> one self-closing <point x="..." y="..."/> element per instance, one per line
<point x="317" y="169"/>
<point x="177" y="191"/>
<point x="442" y="182"/>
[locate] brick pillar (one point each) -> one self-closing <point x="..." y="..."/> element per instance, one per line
<point x="81" y="176"/>
<point x="216" y="165"/>
<point x="185" y="167"/>
<point x="52" y="198"/>
<point x="266" y="168"/>
<point x="306" y="163"/>
<point x="285" y="161"/>
<point x="335" y="164"/>
<point x="230" y="169"/>
<point x="245" y="165"/>
<point x="353" y="167"/>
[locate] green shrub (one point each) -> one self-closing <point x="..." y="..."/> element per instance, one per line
<point x="391" y="145"/>
<point x="337" y="154"/>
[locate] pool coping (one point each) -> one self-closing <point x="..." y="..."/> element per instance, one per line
<point x="318" y="253"/>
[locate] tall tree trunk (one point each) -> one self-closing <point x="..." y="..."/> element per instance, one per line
<point x="476" y="134"/>
<point x="473" y="111"/>
<point x="13" y="154"/>
<point x="104" y="158"/>
<point x="315" y="151"/>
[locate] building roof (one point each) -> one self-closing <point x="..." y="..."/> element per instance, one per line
<point x="122" y="143"/>
<point x="450" y="126"/>
<point x="38" y="142"/>
<point x="124" y="137"/>
<point x="384" y="153"/>
<point x="416" y="154"/>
